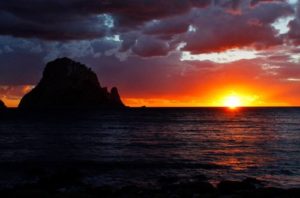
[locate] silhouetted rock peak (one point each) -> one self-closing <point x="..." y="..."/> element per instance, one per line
<point x="69" y="84"/>
<point x="114" y="95"/>
<point x="2" y="105"/>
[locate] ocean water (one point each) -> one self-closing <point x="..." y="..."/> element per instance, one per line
<point x="140" y="146"/>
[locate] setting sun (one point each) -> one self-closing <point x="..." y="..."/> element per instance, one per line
<point x="232" y="101"/>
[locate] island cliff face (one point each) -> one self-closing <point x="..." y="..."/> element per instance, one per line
<point x="2" y="105"/>
<point x="69" y="84"/>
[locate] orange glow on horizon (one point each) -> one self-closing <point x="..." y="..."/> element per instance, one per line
<point x="11" y="102"/>
<point x="222" y="97"/>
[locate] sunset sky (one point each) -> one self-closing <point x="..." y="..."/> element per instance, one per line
<point x="159" y="53"/>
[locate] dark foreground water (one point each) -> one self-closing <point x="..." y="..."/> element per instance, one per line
<point x="141" y="146"/>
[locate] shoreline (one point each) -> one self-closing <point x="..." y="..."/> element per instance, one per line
<point x="70" y="186"/>
<point x="69" y="182"/>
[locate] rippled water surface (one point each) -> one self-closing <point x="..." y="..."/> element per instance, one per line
<point x="142" y="145"/>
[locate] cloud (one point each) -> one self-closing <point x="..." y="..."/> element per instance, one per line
<point x="255" y="2"/>
<point x="60" y="26"/>
<point x="294" y="25"/>
<point x="81" y="19"/>
<point x="168" y="27"/>
<point x="252" y="28"/>
<point x="136" y="12"/>
<point x="226" y="31"/>
<point x="62" y="29"/>
<point x="148" y="46"/>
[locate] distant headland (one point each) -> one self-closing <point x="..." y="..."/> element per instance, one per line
<point x="69" y="84"/>
<point x="2" y="105"/>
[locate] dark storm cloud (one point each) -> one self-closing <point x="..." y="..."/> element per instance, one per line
<point x="217" y="28"/>
<point x="53" y="19"/>
<point x="294" y="33"/>
<point x="81" y="19"/>
<point x="251" y="29"/>
<point x="75" y="28"/>
<point x="136" y="12"/>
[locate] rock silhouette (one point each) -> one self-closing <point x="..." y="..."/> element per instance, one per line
<point x="2" y="105"/>
<point x="69" y="84"/>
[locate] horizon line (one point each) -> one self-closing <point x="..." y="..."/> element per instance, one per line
<point x="140" y="107"/>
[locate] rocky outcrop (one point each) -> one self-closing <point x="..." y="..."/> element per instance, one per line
<point x="2" y="105"/>
<point x="69" y="84"/>
<point x="63" y="182"/>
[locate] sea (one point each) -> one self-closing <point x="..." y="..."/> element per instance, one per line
<point x="141" y="146"/>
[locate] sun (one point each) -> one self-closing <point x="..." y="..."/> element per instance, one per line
<point x="232" y="101"/>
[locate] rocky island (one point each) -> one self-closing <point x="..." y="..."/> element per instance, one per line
<point x="69" y="84"/>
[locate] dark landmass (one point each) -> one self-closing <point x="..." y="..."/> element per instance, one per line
<point x="69" y="84"/>
<point x="2" y="105"/>
<point x="68" y="183"/>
